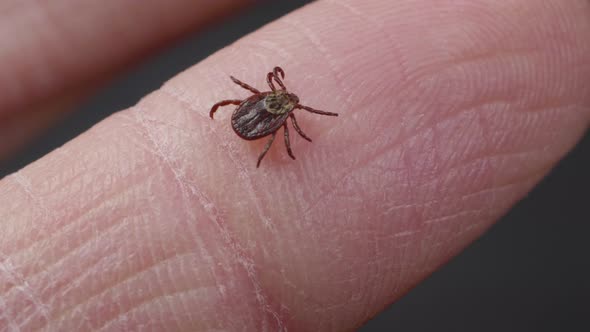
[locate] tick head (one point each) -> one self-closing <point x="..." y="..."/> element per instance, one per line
<point x="293" y="99"/>
<point x="280" y="102"/>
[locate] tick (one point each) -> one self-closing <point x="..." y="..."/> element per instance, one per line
<point x="264" y="113"/>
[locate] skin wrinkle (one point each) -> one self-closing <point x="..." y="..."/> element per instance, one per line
<point x="194" y="232"/>
<point x="180" y="179"/>
<point x="476" y="213"/>
<point x="74" y="284"/>
<point x="22" y="181"/>
<point x="184" y="307"/>
<point x="4" y="316"/>
<point x="400" y="57"/>
<point x="231" y="242"/>
<point x="316" y="43"/>
<point x="183" y="181"/>
<point x="416" y="134"/>
<point x="411" y="82"/>
<point x="177" y="94"/>
<point x="77" y="282"/>
<point x="400" y="273"/>
<point x="70" y="287"/>
<point x="537" y="171"/>
<point x="147" y="304"/>
<point x="150" y="300"/>
<point x="490" y="189"/>
<point x="500" y="55"/>
<point x="71" y="254"/>
<point x="25" y="185"/>
<point x="63" y="230"/>
<point x="156" y="121"/>
<point x="465" y="163"/>
<point x="161" y="154"/>
<point x="260" y="48"/>
<point x="36" y="241"/>
<point x="476" y="59"/>
<point x="477" y="227"/>
<point x="346" y="174"/>
<point x="256" y="49"/>
<point x="129" y="279"/>
<point x="23" y="287"/>
<point x="159" y="283"/>
<point x="363" y="294"/>
<point x="205" y="255"/>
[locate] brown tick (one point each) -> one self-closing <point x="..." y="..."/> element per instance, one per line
<point x="264" y="113"/>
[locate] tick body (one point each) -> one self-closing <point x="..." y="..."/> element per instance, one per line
<point x="264" y="113"/>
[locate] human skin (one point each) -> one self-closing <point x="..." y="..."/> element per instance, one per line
<point x="54" y="53"/>
<point x="157" y="218"/>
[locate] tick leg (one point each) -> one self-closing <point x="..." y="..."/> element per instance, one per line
<point x="276" y="71"/>
<point x="287" y="143"/>
<point x="269" y="78"/>
<point x="296" y="126"/>
<point x="275" y="75"/>
<point x="309" y="109"/>
<point x="266" y="147"/>
<point x="223" y="103"/>
<point x="244" y="85"/>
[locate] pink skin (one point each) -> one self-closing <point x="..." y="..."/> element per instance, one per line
<point x="157" y="217"/>
<point x="53" y="53"/>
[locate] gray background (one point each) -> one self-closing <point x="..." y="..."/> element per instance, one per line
<point x="529" y="273"/>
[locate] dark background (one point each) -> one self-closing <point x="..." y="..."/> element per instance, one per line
<point x="530" y="272"/>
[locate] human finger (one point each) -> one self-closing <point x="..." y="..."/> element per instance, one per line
<point x="440" y="132"/>
<point x="55" y="53"/>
